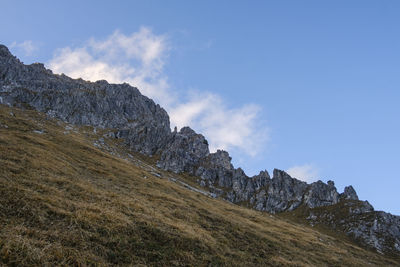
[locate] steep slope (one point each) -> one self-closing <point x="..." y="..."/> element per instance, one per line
<point x="125" y="114"/>
<point x="69" y="195"/>
<point x="145" y="128"/>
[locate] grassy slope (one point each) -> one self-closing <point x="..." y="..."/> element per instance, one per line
<point x="64" y="201"/>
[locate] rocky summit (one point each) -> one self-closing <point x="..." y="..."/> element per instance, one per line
<point x="144" y="127"/>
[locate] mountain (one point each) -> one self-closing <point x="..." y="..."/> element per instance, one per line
<point x="123" y="115"/>
<point x="70" y="196"/>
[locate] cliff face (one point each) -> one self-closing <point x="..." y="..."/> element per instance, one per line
<point x="144" y="127"/>
<point x="143" y="124"/>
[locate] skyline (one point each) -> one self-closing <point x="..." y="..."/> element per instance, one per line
<point x="309" y="92"/>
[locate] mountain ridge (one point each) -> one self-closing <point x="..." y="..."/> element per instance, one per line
<point x="144" y="127"/>
<point x="70" y="196"/>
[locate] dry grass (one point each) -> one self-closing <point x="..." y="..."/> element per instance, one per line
<point x="65" y="202"/>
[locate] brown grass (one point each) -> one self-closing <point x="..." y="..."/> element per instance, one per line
<point x="65" y="202"/>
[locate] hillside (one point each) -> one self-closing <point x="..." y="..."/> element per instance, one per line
<point x="144" y="127"/>
<point x="70" y="196"/>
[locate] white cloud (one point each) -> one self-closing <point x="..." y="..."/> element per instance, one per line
<point x="27" y="47"/>
<point x="307" y="172"/>
<point x="139" y="59"/>
<point x="224" y="127"/>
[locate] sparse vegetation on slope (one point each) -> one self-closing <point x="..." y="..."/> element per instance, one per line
<point x="65" y="201"/>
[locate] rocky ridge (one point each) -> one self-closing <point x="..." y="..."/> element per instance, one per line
<point x="137" y="119"/>
<point x="144" y="127"/>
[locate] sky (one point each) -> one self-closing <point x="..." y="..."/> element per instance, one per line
<point x="310" y="87"/>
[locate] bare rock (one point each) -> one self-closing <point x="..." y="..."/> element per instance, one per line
<point x="349" y="193"/>
<point x="184" y="152"/>
<point x="143" y="124"/>
<point x="320" y="194"/>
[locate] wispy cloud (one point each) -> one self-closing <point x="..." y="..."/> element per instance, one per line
<point x="224" y="127"/>
<point x="139" y="59"/>
<point x="307" y="172"/>
<point x="26" y="47"/>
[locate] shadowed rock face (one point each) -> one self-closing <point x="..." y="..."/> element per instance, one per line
<point x="144" y="126"/>
<point x="184" y="151"/>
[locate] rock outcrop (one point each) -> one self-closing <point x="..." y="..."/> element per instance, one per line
<point x="144" y="126"/>
<point x="184" y="151"/>
<point x="357" y="219"/>
<point x="349" y="193"/>
<point x="189" y="153"/>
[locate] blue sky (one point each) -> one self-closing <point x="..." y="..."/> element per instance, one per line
<point x="306" y="86"/>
